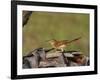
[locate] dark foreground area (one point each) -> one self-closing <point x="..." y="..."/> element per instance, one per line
<point x="43" y="58"/>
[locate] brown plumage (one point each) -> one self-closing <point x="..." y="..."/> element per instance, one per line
<point x="61" y="44"/>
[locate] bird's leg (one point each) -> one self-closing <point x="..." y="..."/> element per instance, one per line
<point x="62" y="50"/>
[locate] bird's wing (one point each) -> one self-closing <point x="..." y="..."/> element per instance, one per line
<point x="59" y="43"/>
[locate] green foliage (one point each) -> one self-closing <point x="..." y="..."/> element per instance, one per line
<point x="44" y="26"/>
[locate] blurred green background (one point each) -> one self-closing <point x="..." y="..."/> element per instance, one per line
<point x="43" y="26"/>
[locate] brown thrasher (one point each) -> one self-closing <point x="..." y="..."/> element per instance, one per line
<point x="61" y="44"/>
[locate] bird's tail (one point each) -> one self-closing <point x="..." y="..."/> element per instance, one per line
<point x="74" y="40"/>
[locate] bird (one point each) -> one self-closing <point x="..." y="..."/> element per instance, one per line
<point x="61" y="44"/>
